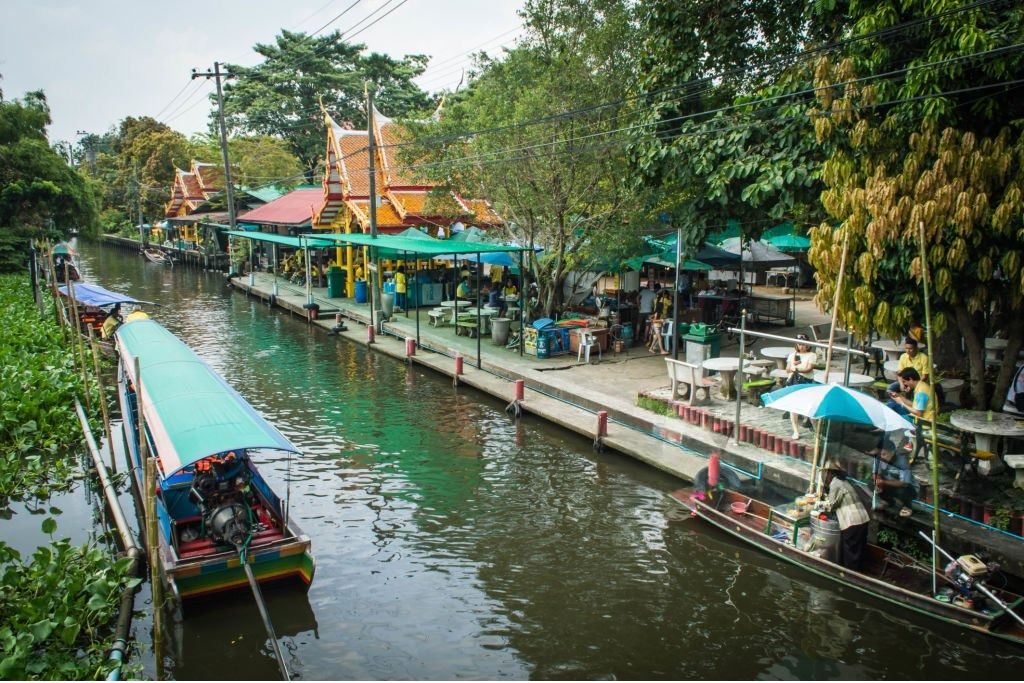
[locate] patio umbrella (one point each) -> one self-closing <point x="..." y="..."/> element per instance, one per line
<point x="837" y="403"/>
<point x="758" y="254"/>
<point x="787" y="243"/>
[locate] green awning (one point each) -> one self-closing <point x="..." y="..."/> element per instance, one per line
<point x="417" y="247"/>
<point x="191" y="412"/>
<point x="297" y="242"/>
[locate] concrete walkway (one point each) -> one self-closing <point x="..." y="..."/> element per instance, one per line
<point x="570" y="393"/>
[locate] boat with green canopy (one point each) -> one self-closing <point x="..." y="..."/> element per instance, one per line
<point x="215" y="511"/>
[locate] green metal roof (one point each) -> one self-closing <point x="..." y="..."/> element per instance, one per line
<point x="297" y="242"/>
<point x="191" y="412"/>
<point x="418" y="247"/>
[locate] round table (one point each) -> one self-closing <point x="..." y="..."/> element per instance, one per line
<point x="779" y="354"/>
<point x="454" y="305"/>
<point x="891" y="367"/>
<point x="485" y="316"/>
<point x="891" y="349"/>
<point x="857" y="380"/>
<point x="987" y="426"/>
<point x="728" y="367"/>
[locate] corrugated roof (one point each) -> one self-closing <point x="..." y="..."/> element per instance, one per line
<point x="295" y="208"/>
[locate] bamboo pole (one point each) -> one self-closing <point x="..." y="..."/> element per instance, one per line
<point x="78" y="342"/>
<point x="152" y="546"/>
<point x="103" y="399"/>
<point x="828" y="353"/>
<point x="931" y="373"/>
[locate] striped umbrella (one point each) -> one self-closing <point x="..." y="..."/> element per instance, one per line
<point x="837" y="403"/>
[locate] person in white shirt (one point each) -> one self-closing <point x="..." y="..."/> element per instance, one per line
<point x="646" y="303"/>
<point x="800" y="365"/>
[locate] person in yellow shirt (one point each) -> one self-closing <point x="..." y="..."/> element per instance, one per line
<point x="923" y="404"/>
<point x="111" y="322"/>
<point x="136" y="315"/>
<point x="400" y="287"/>
<point x="913" y="357"/>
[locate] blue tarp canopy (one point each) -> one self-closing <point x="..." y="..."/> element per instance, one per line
<point x="94" y="295"/>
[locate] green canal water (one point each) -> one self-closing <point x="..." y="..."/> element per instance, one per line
<point x="453" y="543"/>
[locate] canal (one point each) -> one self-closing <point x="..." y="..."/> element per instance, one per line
<point x="454" y="543"/>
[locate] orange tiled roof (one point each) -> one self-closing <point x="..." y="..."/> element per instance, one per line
<point x="210" y="176"/>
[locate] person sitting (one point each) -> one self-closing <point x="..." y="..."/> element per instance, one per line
<point x="111" y="322"/>
<point x="1015" y="395"/>
<point x="912" y="357"/>
<point x="463" y="291"/>
<point x="136" y="315"/>
<point x="495" y="300"/>
<point x="850" y="512"/>
<point x="893" y="481"/>
<point x="922" y="406"/>
<point x="800" y="366"/>
<point x="510" y="288"/>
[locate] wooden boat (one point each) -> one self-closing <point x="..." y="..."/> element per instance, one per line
<point x="888" y="575"/>
<point x="213" y="506"/>
<point x="64" y="263"/>
<point x="157" y="256"/>
<point x="94" y="304"/>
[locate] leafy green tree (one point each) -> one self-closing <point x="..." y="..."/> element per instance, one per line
<point x="256" y="160"/>
<point x="282" y="95"/>
<point x="938" y="150"/>
<point x="40" y="195"/>
<point x="560" y="184"/>
<point x="725" y="132"/>
<point x="145" y="156"/>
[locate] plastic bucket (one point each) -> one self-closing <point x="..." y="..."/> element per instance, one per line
<point x="360" y="291"/>
<point x="825" y="536"/>
<point x="499" y="331"/>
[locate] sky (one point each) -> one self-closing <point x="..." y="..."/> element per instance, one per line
<point x="99" y="61"/>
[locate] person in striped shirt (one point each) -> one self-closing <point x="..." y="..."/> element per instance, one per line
<point x="851" y="513"/>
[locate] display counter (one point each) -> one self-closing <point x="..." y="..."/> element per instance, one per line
<point x="772" y="308"/>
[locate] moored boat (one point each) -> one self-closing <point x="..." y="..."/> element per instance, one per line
<point x="215" y="510"/>
<point x="94" y="304"/>
<point x="64" y="266"/>
<point x="888" y="574"/>
<point x="157" y="256"/>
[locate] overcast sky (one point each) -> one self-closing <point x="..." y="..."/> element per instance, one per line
<point x="99" y="61"/>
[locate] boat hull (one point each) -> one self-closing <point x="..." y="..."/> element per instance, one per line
<point x="737" y="525"/>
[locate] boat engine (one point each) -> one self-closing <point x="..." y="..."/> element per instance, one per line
<point x="220" y="488"/>
<point x="967" y="571"/>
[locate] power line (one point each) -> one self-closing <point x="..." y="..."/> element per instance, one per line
<point x="339" y="16"/>
<point x="353" y="35"/>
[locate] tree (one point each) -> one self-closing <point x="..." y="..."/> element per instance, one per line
<point x="724" y="133"/>
<point x="281" y="96"/>
<point x="940" y="151"/>
<point x="534" y="133"/>
<point x="40" y="195"/>
<point x="256" y="161"/>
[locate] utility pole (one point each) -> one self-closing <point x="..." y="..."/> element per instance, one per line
<point x="138" y="202"/>
<point x="375" y="268"/>
<point x="217" y="74"/>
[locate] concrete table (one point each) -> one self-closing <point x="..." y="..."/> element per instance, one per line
<point x="779" y="354"/>
<point x="890" y="368"/>
<point x="453" y="305"/>
<point x="988" y="427"/>
<point x="485" y="316"/>
<point x="857" y="380"/>
<point x="728" y="367"/>
<point x="891" y="349"/>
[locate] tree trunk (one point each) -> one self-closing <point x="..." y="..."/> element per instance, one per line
<point x="975" y="344"/>
<point x="1014" y="341"/>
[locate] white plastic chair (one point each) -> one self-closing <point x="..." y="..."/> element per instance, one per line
<point x="587" y="341"/>
<point x="666" y="335"/>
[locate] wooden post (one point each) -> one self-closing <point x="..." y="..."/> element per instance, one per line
<point x="103" y="400"/>
<point x="935" y="409"/>
<point x="152" y="545"/>
<point x="76" y="339"/>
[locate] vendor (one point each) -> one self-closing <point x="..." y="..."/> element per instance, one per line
<point x="893" y="481"/>
<point x="111" y="322"/>
<point x="850" y="512"/>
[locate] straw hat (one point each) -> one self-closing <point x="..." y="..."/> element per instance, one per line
<point x="832" y="464"/>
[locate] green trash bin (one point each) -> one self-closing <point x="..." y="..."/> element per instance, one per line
<point x="702" y="342"/>
<point x="335" y="283"/>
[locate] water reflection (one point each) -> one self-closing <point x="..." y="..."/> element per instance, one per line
<point x="453" y="542"/>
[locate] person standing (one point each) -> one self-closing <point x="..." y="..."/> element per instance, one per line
<point x="646" y="302"/>
<point x="850" y="512"/>
<point x="800" y="366"/>
<point x="400" y="287"/>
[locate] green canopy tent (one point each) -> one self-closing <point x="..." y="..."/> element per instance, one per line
<point x="304" y="242"/>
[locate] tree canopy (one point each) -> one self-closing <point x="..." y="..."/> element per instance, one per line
<point x="282" y="95"/>
<point x="40" y="195"/>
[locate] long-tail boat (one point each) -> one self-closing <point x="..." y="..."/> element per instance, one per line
<point x="94" y="304"/>
<point x="64" y="263"/>
<point x="214" y="509"/>
<point x="887" y="574"/>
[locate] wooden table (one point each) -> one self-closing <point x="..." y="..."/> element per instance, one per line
<point x="727" y="367"/>
<point x="779" y="354"/>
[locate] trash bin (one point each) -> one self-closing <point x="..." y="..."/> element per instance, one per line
<point x="360" y="291"/>
<point x="627" y="334"/>
<point x="499" y="331"/>
<point x="335" y="282"/>
<point x="701" y="343"/>
<point x="387" y="303"/>
<point x="825" y="537"/>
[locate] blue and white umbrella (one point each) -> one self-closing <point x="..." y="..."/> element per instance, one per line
<point x="837" y="403"/>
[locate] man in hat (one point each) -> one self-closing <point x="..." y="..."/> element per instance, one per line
<point x="850" y="512"/>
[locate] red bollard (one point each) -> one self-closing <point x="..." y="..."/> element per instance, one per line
<point x="716" y="425"/>
<point x="369" y="334"/>
<point x="713" y="466"/>
<point x="458" y="364"/>
<point x="680" y="410"/>
<point x="744" y="432"/>
<point x="520" y="387"/>
<point x="770" y="445"/>
<point x="602" y="423"/>
<point x="780" y="446"/>
<point x="410" y="347"/>
<point x="337" y="319"/>
<point x="794" y="449"/>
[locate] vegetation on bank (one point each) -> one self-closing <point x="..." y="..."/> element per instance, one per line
<point x="57" y="606"/>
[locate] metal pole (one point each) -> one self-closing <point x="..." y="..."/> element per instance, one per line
<point x="152" y="546"/>
<point x="255" y="586"/>
<point x="77" y="341"/>
<point x="371" y="149"/>
<point x="931" y="373"/>
<point x="479" y="329"/>
<point x="103" y="400"/>
<point x="675" y="307"/>
<point x="739" y="375"/>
